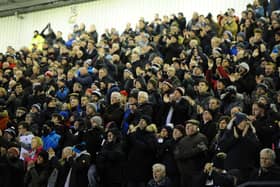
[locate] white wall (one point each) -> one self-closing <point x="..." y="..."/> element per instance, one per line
<point x="104" y="14"/>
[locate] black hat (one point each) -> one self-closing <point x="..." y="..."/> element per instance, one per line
<point x="180" y="128"/>
<point x="44" y="155"/>
<point x="219" y="160"/>
<point x="147" y="118"/>
<point x="153" y="82"/>
<point x="263" y="86"/>
<point x="239" y="117"/>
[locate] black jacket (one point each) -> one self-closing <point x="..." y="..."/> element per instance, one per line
<point x="141" y="147"/>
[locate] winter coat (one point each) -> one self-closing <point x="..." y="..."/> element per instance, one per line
<point x="141" y="147"/>
<point x="110" y="162"/>
<point x="11" y="172"/>
<point x="190" y="154"/>
<point x="93" y="139"/>
<point x="242" y="151"/>
<point x="38" y="176"/>
<point x="114" y="113"/>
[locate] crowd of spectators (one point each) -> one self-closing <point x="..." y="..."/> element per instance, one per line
<point x="171" y="103"/>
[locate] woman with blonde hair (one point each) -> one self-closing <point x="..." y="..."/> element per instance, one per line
<point x="36" y="148"/>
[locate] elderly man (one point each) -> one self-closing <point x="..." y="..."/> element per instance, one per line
<point x="190" y="153"/>
<point x="114" y="111"/>
<point x="268" y="170"/>
<point x="159" y="177"/>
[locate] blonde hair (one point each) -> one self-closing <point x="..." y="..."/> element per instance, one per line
<point x="3" y="91"/>
<point x="39" y="140"/>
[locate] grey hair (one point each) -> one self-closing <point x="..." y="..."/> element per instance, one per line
<point x="145" y="94"/>
<point x="159" y="166"/>
<point x="117" y="94"/>
<point x="270" y="152"/>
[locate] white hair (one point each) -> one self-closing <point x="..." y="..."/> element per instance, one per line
<point x="117" y="95"/>
<point x="160" y="167"/>
<point x="144" y="94"/>
<point x="270" y="153"/>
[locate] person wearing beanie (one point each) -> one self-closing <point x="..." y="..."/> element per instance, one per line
<point x="190" y="153"/>
<point x="141" y="148"/>
<point x="207" y="126"/>
<point x="176" y="110"/>
<point x="93" y="136"/>
<point x="8" y="138"/>
<point x="240" y="143"/>
<point x="181" y="90"/>
<point x="180" y="129"/>
<point x="155" y="98"/>
<point x="111" y="171"/>
<point x="96" y="121"/>
<point x="265" y="125"/>
<point x="243" y="79"/>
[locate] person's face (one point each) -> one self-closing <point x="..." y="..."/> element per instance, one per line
<point x="163" y="133"/>
<point x="258" y="36"/>
<point x="18" y="89"/>
<point x="265" y="160"/>
<point x="142" y="124"/>
<point x="213" y="104"/>
<point x="19" y="113"/>
<point x="202" y="87"/>
<point x="84" y="101"/>
<point x="158" y="175"/>
<point x="34" y="143"/>
<point x="242" y="125"/>
<point x="74" y="102"/>
<point x="40" y="160"/>
<point x="222" y="124"/>
<point x="177" y="95"/>
<point x="269" y="70"/>
<point x="138" y="85"/>
<point x="21" y="130"/>
<point x="110" y="137"/>
<point x="191" y="129"/>
<point x="141" y="98"/>
<point x="66" y="153"/>
<point x="77" y="88"/>
<point x="233" y="111"/>
<point x="28" y="119"/>
<point x="176" y="134"/>
<point x="8" y="136"/>
<point x="114" y="99"/>
<point x="101" y="73"/>
<point x="207" y="116"/>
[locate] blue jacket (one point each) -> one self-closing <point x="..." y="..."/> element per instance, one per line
<point x="51" y="141"/>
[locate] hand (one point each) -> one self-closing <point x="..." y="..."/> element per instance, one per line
<point x="51" y="153"/>
<point x="245" y="130"/>
<point x="210" y="64"/>
<point x="253" y="128"/>
<point x="208" y="168"/>
<point x="3" y="151"/>
<point x="235" y="133"/>
<point x="166" y="98"/>
<point x="30" y="165"/>
<point x="1" y="133"/>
